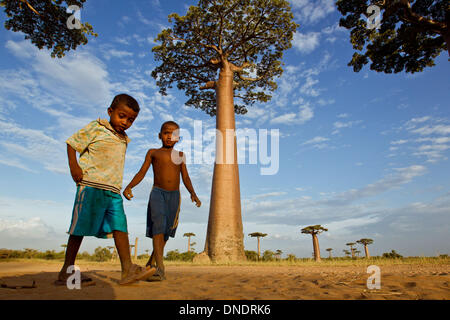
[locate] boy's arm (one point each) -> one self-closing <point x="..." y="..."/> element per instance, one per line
<point x="139" y="176"/>
<point x="188" y="184"/>
<point x="75" y="170"/>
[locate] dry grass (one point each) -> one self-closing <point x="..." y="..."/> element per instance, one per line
<point x="361" y="262"/>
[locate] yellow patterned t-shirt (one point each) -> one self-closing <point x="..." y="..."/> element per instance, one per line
<point x="102" y="155"/>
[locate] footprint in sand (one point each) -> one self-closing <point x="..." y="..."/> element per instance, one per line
<point x="410" y="284"/>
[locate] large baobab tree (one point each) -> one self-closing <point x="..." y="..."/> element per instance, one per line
<point x="189" y="235"/>
<point x="45" y="23"/>
<point x="219" y="52"/>
<point x="411" y="33"/>
<point x="314" y="231"/>
<point x="258" y="235"/>
<point x="365" y="242"/>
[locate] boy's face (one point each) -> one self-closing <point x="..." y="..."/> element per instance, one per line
<point x="167" y="135"/>
<point x="121" y="117"/>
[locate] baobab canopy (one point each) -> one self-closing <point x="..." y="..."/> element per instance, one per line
<point x="249" y="35"/>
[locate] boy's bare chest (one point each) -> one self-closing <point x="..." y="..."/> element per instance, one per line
<point x="164" y="159"/>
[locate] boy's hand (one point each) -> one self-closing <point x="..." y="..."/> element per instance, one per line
<point x="77" y="173"/>
<point x="127" y="193"/>
<point x="195" y="199"/>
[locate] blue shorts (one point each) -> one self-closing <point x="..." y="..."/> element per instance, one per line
<point x="162" y="212"/>
<point x="97" y="212"/>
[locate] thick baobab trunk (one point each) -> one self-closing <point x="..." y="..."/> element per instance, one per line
<point x="367" y="251"/>
<point x="316" y="247"/>
<point x="225" y="238"/>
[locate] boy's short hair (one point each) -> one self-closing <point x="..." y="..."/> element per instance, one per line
<point x="127" y="100"/>
<point x="169" y="122"/>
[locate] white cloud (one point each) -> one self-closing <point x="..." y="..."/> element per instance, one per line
<point x="114" y="53"/>
<point x="306" y="43"/>
<point x="316" y="140"/>
<point x="312" y="11"/>
<point x="436" y="129"/>
<point x="33" y="228"/>
<point x="80" y="77"/>
<point x="305" y="114"/>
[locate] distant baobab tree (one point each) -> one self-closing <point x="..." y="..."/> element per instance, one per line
<point x="258" y="235"/>
<point x="64" y="246"/>
<point x="351" y="244"/>
<point x="365" y="242"/>
<point x="278" y="254"/>
<point x="189" y="235"/>
<point x="329" y="252"/>
<point x="346" y="252"/>
<point x="314" y="231"/>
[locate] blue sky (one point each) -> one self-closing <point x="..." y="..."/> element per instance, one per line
<point x="363" y="154"/>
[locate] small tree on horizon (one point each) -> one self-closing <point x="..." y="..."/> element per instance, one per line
<point x="314" y="231"/>
<point x="189" y="235"/>
<point x="352" y="250"/>
<point x="329" y="252"/>
<point x="258" y="235"/>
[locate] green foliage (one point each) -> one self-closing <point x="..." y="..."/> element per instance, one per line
<point x="392" y="255"/>
<point x="365" y="242"/>
<point x="251" y="255"/>
<point x="291" y="257"/>
<point x="30" y="254"/>
<point x="217" y="33"/>
<point x="268" y="255"/>
<point x="48" y="27"/>
<point x="257" y="234"/>
<point x="409" y="38"/>
<point x="175" y="255"/>
<point x="101" y="254"/>
<point x="316" y="229"/>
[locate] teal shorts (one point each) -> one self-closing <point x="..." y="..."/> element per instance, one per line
<point x="98" y="213"/>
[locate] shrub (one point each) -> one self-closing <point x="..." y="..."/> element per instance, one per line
<point x="251" y="255"/>
<point x="392" y="255"/>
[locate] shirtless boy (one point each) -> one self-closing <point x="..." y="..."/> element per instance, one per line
<point x="164" y="203"/>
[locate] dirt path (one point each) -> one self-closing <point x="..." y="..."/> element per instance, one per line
<point x="408" y="282"/>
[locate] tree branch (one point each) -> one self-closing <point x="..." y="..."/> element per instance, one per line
<point x="29" y="6"/>
<point x="410" y="16"/>
<point x="210" y="46"/>
<point x="208" y="85"/>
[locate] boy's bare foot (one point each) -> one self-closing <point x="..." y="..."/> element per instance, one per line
<point x="137" y="273"/>
<point x="159" y="275"/>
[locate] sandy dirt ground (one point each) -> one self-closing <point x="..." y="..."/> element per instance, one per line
<point x="398" y="282"/>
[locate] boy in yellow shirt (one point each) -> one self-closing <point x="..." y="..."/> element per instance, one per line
<point x="98" y="209"/>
